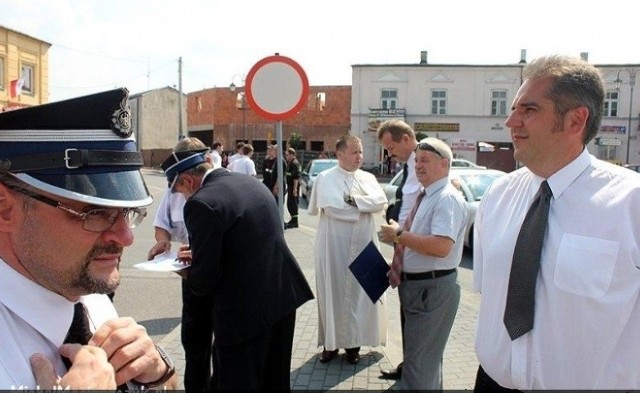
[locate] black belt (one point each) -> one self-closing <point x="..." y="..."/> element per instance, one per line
<point x="426" y="275"/>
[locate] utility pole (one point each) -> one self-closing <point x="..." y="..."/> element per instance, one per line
<point x="181" y="106"/>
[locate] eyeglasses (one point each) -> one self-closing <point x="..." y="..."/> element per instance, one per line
<point x="95" y="219"/>
<point x="430" y="148"/>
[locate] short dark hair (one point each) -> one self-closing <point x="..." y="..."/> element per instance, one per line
<point x="397" y="128"/>
<point x="575" y="83"/>
<point x="216" y="145"/>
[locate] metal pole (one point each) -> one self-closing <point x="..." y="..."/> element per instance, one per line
<point x="281" y="175"/>
<point x="181" y="106"/>
<point x="244" y="119"/>
<point x="632" y="83"/>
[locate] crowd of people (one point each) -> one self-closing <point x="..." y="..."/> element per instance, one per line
<point x="555" y="253"/>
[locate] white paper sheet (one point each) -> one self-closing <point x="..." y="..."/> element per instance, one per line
<point x="165" y="262"/>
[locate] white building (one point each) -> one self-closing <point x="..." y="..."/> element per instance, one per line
<point x="467" y="106"/>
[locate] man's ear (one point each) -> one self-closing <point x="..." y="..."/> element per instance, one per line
<point x="576" y="120"/>
<point x="10" y="209"/>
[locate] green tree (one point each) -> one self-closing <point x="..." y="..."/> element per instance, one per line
<point x="295" y="141"/>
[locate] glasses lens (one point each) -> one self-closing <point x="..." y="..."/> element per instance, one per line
<point x="135" y="216"/>
<point x="102" y="219"/>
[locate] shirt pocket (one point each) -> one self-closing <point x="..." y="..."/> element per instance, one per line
<point x="585" y="265"/>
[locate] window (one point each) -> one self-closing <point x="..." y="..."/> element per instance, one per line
<point x="389" y="99"/>
<point x="438" y="102"/>
<point x="320" y="102"/>
<point x="499" y="103"/>
<point x="1" y="73"/>
<point x="611" y="103"/>
<point x="29" y="79"/>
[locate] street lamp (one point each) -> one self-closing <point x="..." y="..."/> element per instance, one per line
<point x="241" y="104"/>
<point x="632" y="84"/>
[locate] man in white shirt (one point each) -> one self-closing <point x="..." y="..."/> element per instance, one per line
<point x="586" y="315"/>
<point x="244" y="164"/>
<point x="235" y="156"/>
<point x="216" y="151"/>
<point x="70" y="194"/>
<point x="428" y="249"/>
<point x="399" y="139"/>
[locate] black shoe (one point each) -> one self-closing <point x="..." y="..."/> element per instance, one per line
<point x="291" y="224"/>
<point x="352" y="356"/>
<point x="392" y="373"/>
<point x="328" y="355"/>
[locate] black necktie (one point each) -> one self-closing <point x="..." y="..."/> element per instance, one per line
<point x="395" y="212"/>
<point x="79" y="332"/>
<point x="519" y="309"/>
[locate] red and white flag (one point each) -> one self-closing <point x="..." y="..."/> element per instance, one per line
<point x="16" y="87"/>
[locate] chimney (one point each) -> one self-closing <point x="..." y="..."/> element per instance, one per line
<point x="423" y="57"/>
<point x="523" y="56"/>
<point x="584" y="56"/>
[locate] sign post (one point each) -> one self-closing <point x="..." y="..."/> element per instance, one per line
<point x="277" y="88"/>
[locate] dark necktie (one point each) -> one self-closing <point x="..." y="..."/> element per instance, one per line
<point x="395" y="273"/>
<point x="79" y="332"/>
<point x="519" y="309"/>
<point x="395" y="212"/>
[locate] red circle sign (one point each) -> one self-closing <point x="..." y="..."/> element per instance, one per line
<point x="276" y="87"/>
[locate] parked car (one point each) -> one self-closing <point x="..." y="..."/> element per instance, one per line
<point x="633" y="167"/>
<point x="463" y="163"/>
<point x="310" y="173"/>
<point x="474" y="182"/>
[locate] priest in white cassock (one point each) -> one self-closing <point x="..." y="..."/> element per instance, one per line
<point x="346" y="198"/>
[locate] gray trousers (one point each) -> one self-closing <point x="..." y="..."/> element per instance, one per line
<point x="429" y="308"/>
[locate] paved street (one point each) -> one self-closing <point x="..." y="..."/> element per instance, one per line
<point x="307" y="373"/>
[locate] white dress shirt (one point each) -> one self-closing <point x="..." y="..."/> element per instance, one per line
<point x="442" y="212"/>
<point x="170" y="216"/>
<point x="586" y="333"/>
<point x="244" y="165"/>
<point x="410" y="190"/>
<point x="216" y="158"/>
<point x="36" y="320"/>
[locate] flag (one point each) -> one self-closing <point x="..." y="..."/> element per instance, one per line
<point x="16" y="87"/>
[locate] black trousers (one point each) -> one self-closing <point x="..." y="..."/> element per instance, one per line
<point x="197" y="337"/>
<point x="484" y="384"/>
<point x="292" y="203"/>
<point x="261" y="364"/>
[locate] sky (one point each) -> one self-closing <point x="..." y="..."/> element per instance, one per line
<point x="98" y="45"/>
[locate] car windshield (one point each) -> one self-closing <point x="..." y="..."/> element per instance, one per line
<point x="478" y="183"/>
<point x="318" y="167"/>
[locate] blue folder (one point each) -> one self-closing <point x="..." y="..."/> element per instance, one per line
<point x="370" y="269"/>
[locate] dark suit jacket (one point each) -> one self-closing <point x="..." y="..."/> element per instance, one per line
<point x="240" y="256"/>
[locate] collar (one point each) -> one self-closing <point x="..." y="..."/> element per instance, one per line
<point x="560" y="181"/>
<point x="49" y="313"/>
<point x="435" y="186"/>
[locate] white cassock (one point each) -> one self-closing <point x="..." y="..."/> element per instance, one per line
<point x="347" y="317"/>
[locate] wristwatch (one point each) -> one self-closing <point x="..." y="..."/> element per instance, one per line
<point x="396" y="237"/>
<point x="171" y="370"/>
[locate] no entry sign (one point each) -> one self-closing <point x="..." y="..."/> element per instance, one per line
<point x="276" y="87"/>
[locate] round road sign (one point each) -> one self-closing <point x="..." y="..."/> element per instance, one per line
<point x="277" y="87"/>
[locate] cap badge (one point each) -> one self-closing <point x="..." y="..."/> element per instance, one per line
<point x="121" y="119"/>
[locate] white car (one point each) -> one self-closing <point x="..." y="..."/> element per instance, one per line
<point x="463" y="163"/>
<point x="474" y="182"/>
<point x="310" y="173"/>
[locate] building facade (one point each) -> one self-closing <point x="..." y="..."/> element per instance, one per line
<point x="158" y="118"/>
<point x="223" y="115"/>
<point x="24" y="70"/>
<point x="467" y="106"/>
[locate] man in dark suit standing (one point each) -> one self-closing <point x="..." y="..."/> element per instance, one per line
<point x="241" y="259"/>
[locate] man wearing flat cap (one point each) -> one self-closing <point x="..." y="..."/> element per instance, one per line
<point x="71" y="192"/>
<point x="241" y="260"/>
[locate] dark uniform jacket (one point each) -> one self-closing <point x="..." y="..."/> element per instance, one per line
<point x="240" y="256"/>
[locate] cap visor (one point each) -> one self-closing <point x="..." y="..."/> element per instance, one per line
<point x="111" y="189"/>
